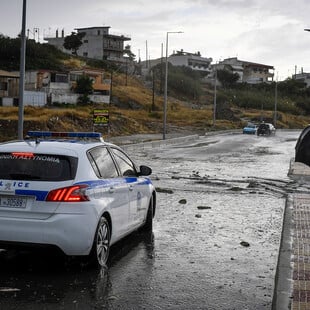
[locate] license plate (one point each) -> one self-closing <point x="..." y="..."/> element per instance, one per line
<point x="13" y="202"/>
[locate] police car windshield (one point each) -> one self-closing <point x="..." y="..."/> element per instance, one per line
<point x="42" y="167"/>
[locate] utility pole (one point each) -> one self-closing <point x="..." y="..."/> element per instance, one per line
<point x="146" y="55"/>
<point x="126" y="71"/>
<point x="22" y="75"/>
<point x="214" y="102"/>
<point x="153" y="91"/>
<point x="161" y="70"/>
<point x="111" y="87"/>
<point x="275" y="103"/>
<point x="166" y="84"/>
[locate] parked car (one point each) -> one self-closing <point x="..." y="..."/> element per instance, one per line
<point x="302" y="147"/>
<point x="266" y="129"/>
<point x="250" y="129"/>
<point x="72" y="191"/>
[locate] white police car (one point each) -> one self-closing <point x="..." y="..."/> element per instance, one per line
<point x="69" y="191"/>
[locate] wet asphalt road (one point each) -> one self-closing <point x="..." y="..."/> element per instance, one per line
<point x="215" y="242"/>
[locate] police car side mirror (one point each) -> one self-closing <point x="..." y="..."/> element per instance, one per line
<point x="144" y="171"/>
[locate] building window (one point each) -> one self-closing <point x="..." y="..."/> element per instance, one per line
<point x="85" y="54"/>
<point x="3" y="86"/>
<point x="61" y="78"/>
<point x="98" y="32"/>
<point x="74" y="77"/>
<point x="85" y="41"/>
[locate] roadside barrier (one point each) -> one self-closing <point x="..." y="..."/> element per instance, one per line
<point x="160" y="143"/>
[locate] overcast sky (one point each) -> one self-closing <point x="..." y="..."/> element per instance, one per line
<point x="270" y="32"/>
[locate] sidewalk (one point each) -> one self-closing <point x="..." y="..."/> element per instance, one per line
<point x="301" y="252"/>
<point x="292" y="289"/>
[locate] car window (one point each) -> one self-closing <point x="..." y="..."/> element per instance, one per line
<point x="41" y="167"/>
<point x="126" y="166"/>
<point x="102" y="163"/>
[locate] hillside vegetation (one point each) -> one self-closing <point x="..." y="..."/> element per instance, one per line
<point x="133" y="110"/>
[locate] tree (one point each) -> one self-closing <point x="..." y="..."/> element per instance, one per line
<point x="129" y="53"/>
<point x="38" y="55"/>
<point x="227" y="78"/>
<point x="74" y="41"/>
<point x="84" y="87"/>
<point x="292" y="87"/>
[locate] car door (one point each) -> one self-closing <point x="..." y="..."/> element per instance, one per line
<point x="137" y="198"/>
<point x="112" y="190"/>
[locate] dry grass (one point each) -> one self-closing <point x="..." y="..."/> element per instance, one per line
<point x="41" y="114"/>
<point x="126" y="121"/>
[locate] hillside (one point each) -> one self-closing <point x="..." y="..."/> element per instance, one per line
<point x="132" y="109"/>
<point x="132" y="112"/>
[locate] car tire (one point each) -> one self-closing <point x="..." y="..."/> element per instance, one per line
<point x="101" y="246"/>
<point x="148" y="226"/>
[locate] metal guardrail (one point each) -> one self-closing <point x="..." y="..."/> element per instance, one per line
<point x="160" y="143"/>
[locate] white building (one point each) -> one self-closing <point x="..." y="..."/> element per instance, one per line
<point x="191" y="60"/>
<point x="180" y="58"/>
<point x="303" y="77"/>
<point x="249" y="72"/>
<point x="97" y="43"/>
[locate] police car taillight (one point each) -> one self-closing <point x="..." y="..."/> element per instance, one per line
<point x="23" y="154"/>
<point x="75" y="193"/>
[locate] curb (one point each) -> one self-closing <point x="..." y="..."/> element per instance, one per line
<point x="290" y="257"/>
<point x="299" y="171"/>
<point x="282" y="296"/>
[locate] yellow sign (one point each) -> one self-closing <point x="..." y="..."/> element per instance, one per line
<point x="101" y="118"/>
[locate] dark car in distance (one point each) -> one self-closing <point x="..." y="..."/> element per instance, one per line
<point x="265" y="129"/>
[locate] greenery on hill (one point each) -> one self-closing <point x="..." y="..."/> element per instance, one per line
<point x="137" y="105"/>
<point x="38" y="56"/>
<point x="292" y="96"/>
<point x="182" y="81"/>
<point x="41" y="56"/>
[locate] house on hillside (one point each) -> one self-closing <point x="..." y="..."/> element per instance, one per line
<point x="9" y="87"/>
<point x="192" y="60"/>
<point x="303" y="77"/>
<point x="180" y="58"/>
<point x="59" y="86"/>
<point x="9" y="91"/>
<point x="249" y="72"/>
<point x="101" y="82"/>
<point x="97" y="43"/>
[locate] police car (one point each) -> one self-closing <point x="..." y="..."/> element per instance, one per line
<point x="72" y="191"/>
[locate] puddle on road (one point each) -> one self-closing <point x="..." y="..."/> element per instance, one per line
<point x="196" y="145"/>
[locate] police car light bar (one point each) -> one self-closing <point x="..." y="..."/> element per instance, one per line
<point x="55" y="134"/>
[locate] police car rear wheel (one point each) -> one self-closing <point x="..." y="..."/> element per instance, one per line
<point x="101" y="246"/>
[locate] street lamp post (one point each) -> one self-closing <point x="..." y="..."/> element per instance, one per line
<point x="22" y="75"/>
<point x="166" y="85"/>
